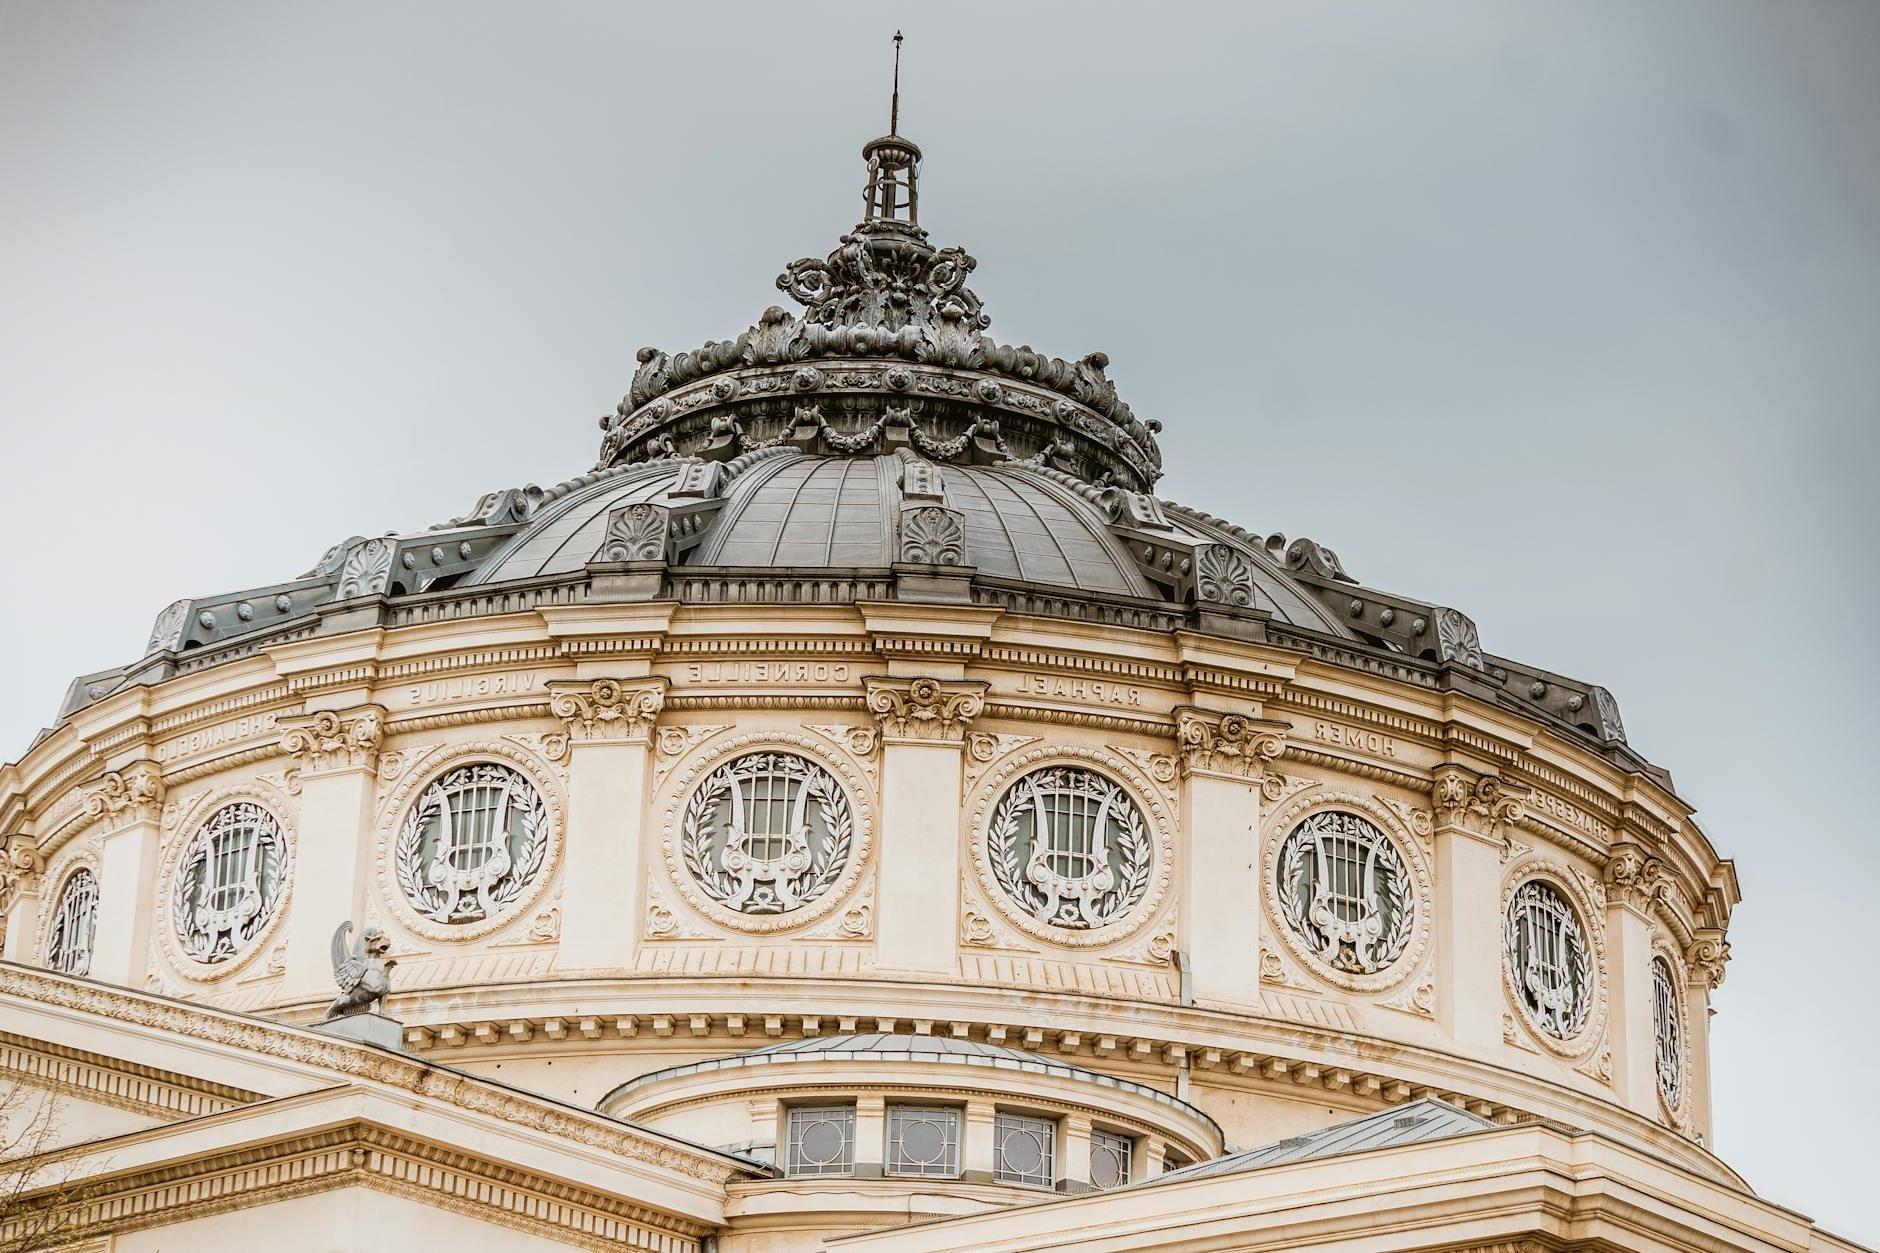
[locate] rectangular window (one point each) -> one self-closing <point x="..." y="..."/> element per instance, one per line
<point x="1024" y="1150"/>
<point x="1111" y="1157"/>
<point x="923" y="1141"/>
<point x="821" y="1140"/>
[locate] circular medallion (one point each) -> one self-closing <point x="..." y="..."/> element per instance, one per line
<point x="1069" y="848"/>
<point x="767" y="833"/>
<point x="72" y="925"/>
<point x="228" y="882"/>
<point x="1549" y="962"/>
<point x="1668" y="1035"/>
<point x="1345" y="893"/>
<point x="467" y="844"/>
<point x="1348" y="889"/>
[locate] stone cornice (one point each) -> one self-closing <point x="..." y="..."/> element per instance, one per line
<point x="355" y="1153"/>
<point x="341" y="1058"/>
<point x="112" y="1081"/>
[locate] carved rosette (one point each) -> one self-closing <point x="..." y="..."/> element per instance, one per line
<point x="1227" y="744"/>
<point x="924" y="710"/>
<point x="133" y="794"/>
<point x="329" y="740"/>
<point x="184" y="849"/>
<point x="609" y="710"/>
<point x="1539" y="867"/>
<point x="1415" y="908"/>
<point x="1480" y="805"/>
<point x="990" y="803"/>
<point x="835" y="878"/>
<point x="404" y="878"/>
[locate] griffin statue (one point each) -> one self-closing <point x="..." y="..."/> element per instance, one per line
<point x="361" y="970"/>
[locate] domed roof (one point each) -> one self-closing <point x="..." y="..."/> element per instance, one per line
<point x="878" y="446"/>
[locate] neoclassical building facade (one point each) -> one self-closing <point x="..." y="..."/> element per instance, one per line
<point x="858" y="813"/>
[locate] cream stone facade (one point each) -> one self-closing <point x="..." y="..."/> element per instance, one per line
<point x="859" y="814"/>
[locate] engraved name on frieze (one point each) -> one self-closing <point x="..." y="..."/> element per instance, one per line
<point x="471" y="687"/>
<point x="765" y="672"/>
<point x="1352" y="737"/>
<point x="254" y="726"/>
<point x="1568" y="813"/>
<point x="1070" y="687"/>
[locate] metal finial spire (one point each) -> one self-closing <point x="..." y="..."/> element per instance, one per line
<point x="894" y="110"/>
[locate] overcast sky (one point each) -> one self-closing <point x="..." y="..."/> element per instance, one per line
<point x="1567" y="315"/>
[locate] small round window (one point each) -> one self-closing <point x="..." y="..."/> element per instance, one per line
<point x="1549" y="960"/>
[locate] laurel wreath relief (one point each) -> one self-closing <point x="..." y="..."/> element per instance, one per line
<point x="828" y="856"/>
<point x="1009" y="851"/>
<point x="1394" y="894"/>
<point x="525" y="857"/>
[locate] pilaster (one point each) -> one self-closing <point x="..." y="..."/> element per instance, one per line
<point x="978" y="1142"/>
<point x="871" y="1136"/>
<point x="610" y="724"/>
<point x="336" y="761"/>
<point x="1705" y="959"/>
<point x="22" y="880"/>
<point x="1073" y="1158"/>
<point x="128" y="805"/>
<point x="1471" y="812"/>
<point x="923" y="730"/>
<point x="1633" y="880"/>
<point x="1224" y="761"/>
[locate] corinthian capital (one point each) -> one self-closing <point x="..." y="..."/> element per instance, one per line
<point x="335" y="741"/>
<point x="133" y="794"/>
<point x="609" y="710"/>
<point x="1232" y="744"/>
<point x="930" y="710"/>
<point x="20" y="866"/>
<point x="1633" y="877"/>
<point x="1480" y="804"/>
<point x="1707" y="956"/>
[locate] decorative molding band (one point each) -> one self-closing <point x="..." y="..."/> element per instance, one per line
<point x="1161" y="728"/>
<point x="361" y="1154"/>
<point x="216" y="765"/>
<point x="463" y="1091"/>
<point x="740" y="701"/>
<point x="470" y="717"/>
<point x="1362" y="769"/>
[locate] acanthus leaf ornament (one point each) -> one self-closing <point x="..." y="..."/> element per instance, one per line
<point x="1633" y="877"/>
<point x="335" y="740"/>
<point x="608" y="709"/>
<point x="133" y="794"/>
<point x="637" y="532"/>
<point x="1224" y="576"/>
<point x="1479" y="804"/>
<point x="1227" y="743"/>
<point x="1707" y="956"/>
<point x="925" y="709"/>
<point x="365" y="569"/>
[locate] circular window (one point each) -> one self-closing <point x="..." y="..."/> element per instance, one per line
<point x="473" y="840"/>
<point x="767" y="833"/>
<point x="74" y="925"/>
<point x="1345" y="892"/>
<point x="1549" y="960"/>
<point x="1668" y="1020"/>
<point x="228" y="882"/>
<point x="1069" y="847"/>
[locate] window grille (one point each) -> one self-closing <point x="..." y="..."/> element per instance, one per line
<point x="821" y="1140"/>
<point x="74" y="925"/>
<point x="1548" y="958"/>
<point x="770" y="805"/>
<point x="923" y="1141"/>
<point x="1024" y="1150"/>
<point x="1670" y="1033"/>
<point x="1111" y="1159"/>
<point x="1344" y="890"/>
<point x="228" y="882"/>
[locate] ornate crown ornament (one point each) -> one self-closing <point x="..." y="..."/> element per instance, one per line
<point x="896" y="338"/>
